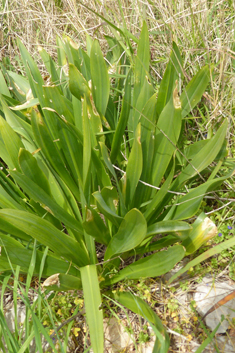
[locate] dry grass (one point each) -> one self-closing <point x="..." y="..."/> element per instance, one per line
<point x="203" y="30"/>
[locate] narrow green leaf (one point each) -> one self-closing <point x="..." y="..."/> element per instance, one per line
<point x="151" y="266"/>
<point x="153" y="207"/>
<point x="30" y="103"/>
<point x="108" y="163"/>
<point x="45" y="57"/>
<point x="134" y="167"/>
<point x="167" y="134"/>
<point x="86" y="151"/>
<point x="100" y="78"/>
<point x="194" y="90"/>
<point x="213" y="251"/>
<point x="203" y="158"/>
<point x="141" y="62"/>
<point x="188" y="205"/>
<point x="172" y="73"/>
<point x="130" y="234"/>
<point x="32" y="71"/>
<point x="62" y="59"/>
<point x="122" y="122"/>
<point x="6" y="201"/>
<point x="47" y="234"/>
<point x="94" y="313"/>
<point x="147" y="120"/>
<point x="36" y="192"/>
<point x="53" y="154"/>
<point x="21" y="256"/>
<point x="138" y="306"/>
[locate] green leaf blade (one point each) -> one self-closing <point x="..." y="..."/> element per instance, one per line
<point x="130" y="234"/>
<point x="93" y="302"/>
<point x="100" y="78"/>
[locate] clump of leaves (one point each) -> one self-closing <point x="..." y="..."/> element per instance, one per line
<point x="92" y="170"/>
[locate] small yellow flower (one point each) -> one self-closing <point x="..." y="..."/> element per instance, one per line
<point x="59" y="312"/>
<point x="75" y="331"/>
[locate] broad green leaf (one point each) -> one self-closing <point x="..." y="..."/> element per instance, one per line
<point x="18" y="123"/>
<point x="122" y="122"/>
<point x="100" y="78"/>
<point x="138" y="306"/>
<point x="7" y="241"/>
<point x="172" y="73"/>
<point x="145" y="94"/>
<point x="130" y="234"/>
<point x="47" y="234"/>
<point x="134" y="168"/>
<point x="3" y="86"/>
<point x="95" y="226"/>
<point x="106" y="210"/>
<point x="14" y="230"/>
<point x="151" y="266"/>
<point x="64" y="282"/>
<point x="166" y="241"/>
<point x="191" y="150"/>
<point x="77" y="83"/>
<point x="110" y="197"/>
<point x="20" y="81"/>
<point x="30" y="168"/>
<point x="57" y="102"/>
<point x="93" y="302"/>
<point x="12" y="143"/>
<point x="22" y="257"/>
<point x="168" y="227"/>
<point x="194" y="90"/>
<point x="167" y="134"/>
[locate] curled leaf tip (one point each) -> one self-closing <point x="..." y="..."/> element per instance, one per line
<point x="52" y="280"/>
